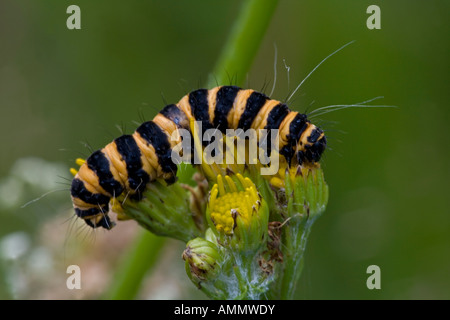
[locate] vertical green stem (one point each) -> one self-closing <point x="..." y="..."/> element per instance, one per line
<point x="296" y="237"/>
<point x="308" y="197"/>
<point x="243" y="42"/>
<point x="137" y="263"/>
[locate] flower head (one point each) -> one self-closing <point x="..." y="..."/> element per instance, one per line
<point x="163" y="210"/>
<point x="202" y="260"/>
<point x="237" y="213"/>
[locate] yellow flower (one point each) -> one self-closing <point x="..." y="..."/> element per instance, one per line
<point x="79" y="162"/>
<point x="226" y="206"/>
<point x="278" y="180"/>
<point x="237" y="212"/>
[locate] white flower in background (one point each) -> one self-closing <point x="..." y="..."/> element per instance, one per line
<point x="14" y="245"/>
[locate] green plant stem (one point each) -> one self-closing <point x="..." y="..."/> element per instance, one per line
<point x="234" y="62"/>
<point x="296" y="238"/>
<point x="243" y="42"/>
<point x="142" y="257"/>
<point x="307" y="202"/>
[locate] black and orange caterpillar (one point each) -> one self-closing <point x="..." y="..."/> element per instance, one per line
<point x="131" y="161"/>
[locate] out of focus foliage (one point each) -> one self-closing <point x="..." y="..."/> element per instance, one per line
<point x="387" y="169"/>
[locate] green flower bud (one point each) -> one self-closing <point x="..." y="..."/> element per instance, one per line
<point x="202" y="260"/>
<point x="163" y="210"/>
<point x="306" y="192"/>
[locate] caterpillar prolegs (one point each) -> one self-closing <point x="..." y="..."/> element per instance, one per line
<point x="129" y="162"/>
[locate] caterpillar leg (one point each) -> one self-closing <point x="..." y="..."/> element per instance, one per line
<point x="100" y="221"/>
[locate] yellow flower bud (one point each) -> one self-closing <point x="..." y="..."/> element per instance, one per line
<point x="236" y="212"/>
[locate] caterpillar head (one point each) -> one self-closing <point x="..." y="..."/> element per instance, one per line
<point x="314" y="145"/>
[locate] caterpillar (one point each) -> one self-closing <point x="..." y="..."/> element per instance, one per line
<point x="129" y="162"/>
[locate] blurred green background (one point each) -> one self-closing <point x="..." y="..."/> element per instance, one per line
<point x="62" y="91"/>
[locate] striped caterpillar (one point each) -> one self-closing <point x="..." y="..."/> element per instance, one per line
<point x="131" y="161"/>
